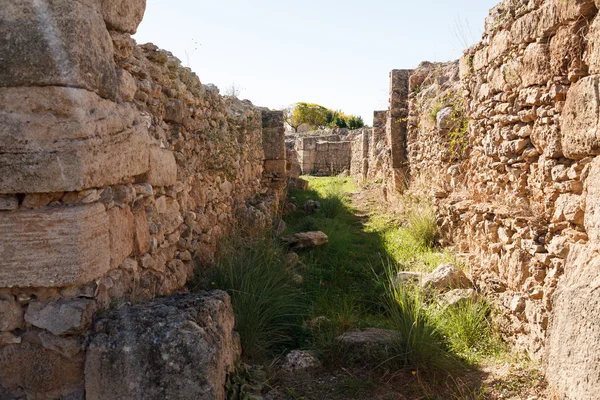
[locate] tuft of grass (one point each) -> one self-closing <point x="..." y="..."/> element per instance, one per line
<point x="468" y="329"/>
<point x="333" y="205"/>
<point x="420" y="344"/>
<point x="268" y="304"/>
<point x="422" y="226"/>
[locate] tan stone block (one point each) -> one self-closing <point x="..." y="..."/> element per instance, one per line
<point x="121" y="232"/>
<point x="123" y="15"/>
<point x="536" y="65"/>
<point x="56" y="139"/>
<point x="163" y="168"/>
<point x="592" y="202"/>
<point x="581" y="119"/>
<point x="592" y="56"/>
<point x="142" y="232"/>
<point x="275" y="167"/>
<point x="56" y="43"/>
<point x="11" y="313"/>
<point x="53" y="247"/>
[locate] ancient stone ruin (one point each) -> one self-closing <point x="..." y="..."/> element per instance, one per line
<point x="120" y="172"/>
<point x="505" y="141"/>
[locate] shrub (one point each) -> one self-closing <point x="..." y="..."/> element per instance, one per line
<point x="267" y="303"/>
<point x="333" y="205"/>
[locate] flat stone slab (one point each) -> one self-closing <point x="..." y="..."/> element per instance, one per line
<point x="54" y="247"/>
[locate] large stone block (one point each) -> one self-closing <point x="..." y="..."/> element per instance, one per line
<point x="536" y="65"/>
<point x="581" y="119"/>
<point x="186" y="356"/>
<point x="273" y="135"/>
<point x="123" y="15"/>
<point x="56" y="43"/>
<point x="121" y="233"/>
<point x="53" y="247"/>
<point x="163" y="168"/>
<point x="55" y="139"/>
<point x="592" y="202"/>
<point x="40" y="372"/>
<point x="61" y="317"/>
<point x="574" y="337"/>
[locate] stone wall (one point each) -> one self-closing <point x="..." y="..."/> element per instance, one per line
<point x="506" y="142"/>
<point x="328" y="154"/>
<point x="119" y="172"/>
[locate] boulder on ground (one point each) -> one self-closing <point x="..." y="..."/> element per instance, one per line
<point x="403" y="277"/>
<point x="177" y="347"/>
<point x="311" y="206"/>
<point x="458" y="296"/>
<point x="446" y="276"/>
<point x="366" y="345"/>
<point x="306" y="240"/>
<point x="299" y="359"/>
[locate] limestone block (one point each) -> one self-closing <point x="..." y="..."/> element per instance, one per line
<point x="53" y="247"/>
<point x="592" y="57"/>
<point x="38" y="370"/>
<point x="121" y="230"/>
<point x="56" y="139"/>
<point x="573" y="347"/>
<point x="163" y="168"/>
<point x="56" y="43"/>
<point x="592" y="202"/>
<point x="11" y="314"/>
<point x="581" y="119"/>
<point x="9" y="203"/>
<point x="123" y="15"/>
<point x="275" y="167"/>
<point x="499" y="45"/>
<point x="568" y="208"/>
<point x="273" y="135"/>
<point x="186" y="356"/>
<point x="536" y="65"/>
<point x="141" y="243"/>
<point x="61" y="317"/>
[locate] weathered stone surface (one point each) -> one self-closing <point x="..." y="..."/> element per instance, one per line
<point x="367" y="345"/>
<point x="306" y="240"/>
<point x="574" y="341"/>
<point x="40" y="371"/>
<point x="11" y="313"/>
<point x="186" y="355"/>
<point x="403" y="277"/>
<point x="163" y="168"/>
<point x="56" y="43"/>
<point x="65" y="139"/>
<point x="297" y="360"/>
<point x="592" y="204"/>
<point x="458" y="296"/>
<point x="536" y="65"/>
<point x="53" y="247"/>
<point x="121" y="232"/>
<point x="142" y="241"/>
<point x="61" y="317"/>
<point x="123" y="15"/>
<point x="581" y="119"/>
<point x="311" y="206"/>
<point x="9" y="203"/>
<point x="446" y="276"/>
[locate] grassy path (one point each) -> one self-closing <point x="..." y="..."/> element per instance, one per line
<point x="283" y="302"/>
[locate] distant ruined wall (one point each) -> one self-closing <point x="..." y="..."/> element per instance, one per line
<point x="506" y="142"/>
<point x="328" y="154"/>
<point x="119" y="171"/>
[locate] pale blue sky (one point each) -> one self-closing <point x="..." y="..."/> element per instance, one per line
<point x="335" y="53"/>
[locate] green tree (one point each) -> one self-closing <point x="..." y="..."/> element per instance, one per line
<point x="355" y="122"/>
<point x="309" y="113"/>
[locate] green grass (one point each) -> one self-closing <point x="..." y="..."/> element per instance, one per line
<point x="268" y="305"/>
<point x="349" y="284"/>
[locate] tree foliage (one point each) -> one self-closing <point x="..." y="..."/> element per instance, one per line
<point x="319" y="117"/>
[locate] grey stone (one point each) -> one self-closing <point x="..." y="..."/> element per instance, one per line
<point x="311" y="206"/>
<point x="11" y="313"/>
<point x="56" y="43"/>
<point x="297" y="360"/>
<point x="306" y="240"/>
<point x="178" y="347"/>
<point x="123" y="15"/>
<point x="446" y="276"/>
<point x="61" y="317"/>
<point x="8" y="203"/>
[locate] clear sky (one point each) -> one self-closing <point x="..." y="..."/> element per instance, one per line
<point x="331" y="52"/>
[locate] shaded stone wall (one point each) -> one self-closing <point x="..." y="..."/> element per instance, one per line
<point x="515" y="188"/>
<point x="328" y="154"/>
<point x="119" y="172"/>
